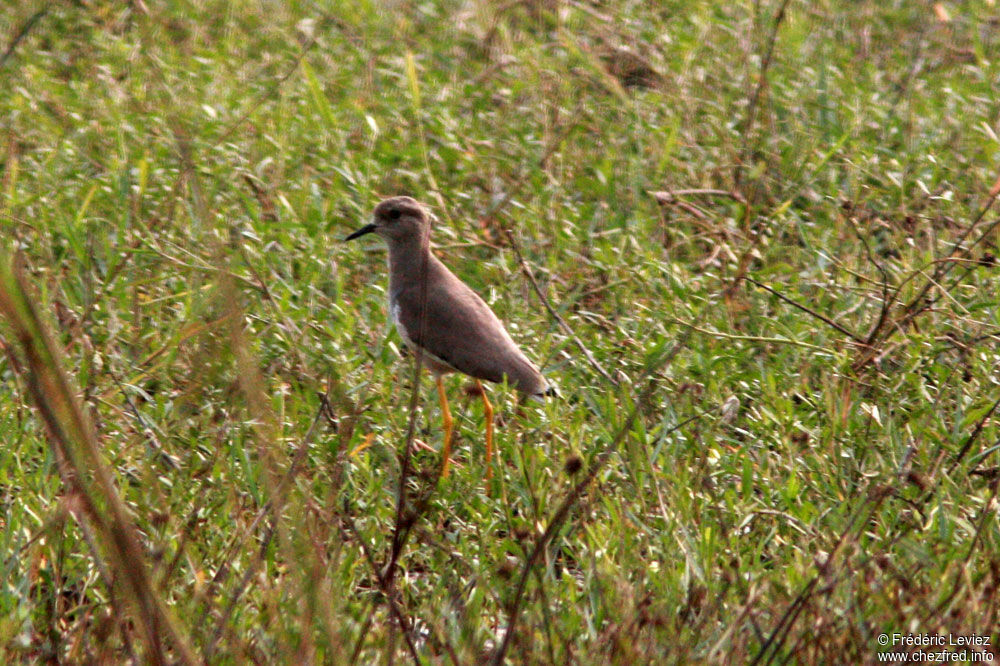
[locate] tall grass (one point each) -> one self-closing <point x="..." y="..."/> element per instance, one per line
<point x="754" y="245"/>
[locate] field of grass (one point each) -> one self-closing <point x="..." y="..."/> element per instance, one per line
<point x="752" y="243"/>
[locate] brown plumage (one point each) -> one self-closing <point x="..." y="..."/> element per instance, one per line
<point x="461" y="332"/>
<point x="436" y="312"/>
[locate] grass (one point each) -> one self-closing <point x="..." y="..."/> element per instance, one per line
<point x="780" y="442"/>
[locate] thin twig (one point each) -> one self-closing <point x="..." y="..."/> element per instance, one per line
<point x="755" y="338"/>
<point x="386" y="591"/>
<point x="920" y="303"/>
<point x="552" y="311"/>
<point x="363" y="632"/>
<point x="751" y="117"/>
<point x="886" y="300"/>
<point x="945" y="267"/>
<point x="986" y="512"/>
<point x="147" y="429"/>
<point x="670" y="196"/>
<point x="973" y="436"/>
<point x="807" y="310"/>
<point x="23" y="32"/>
<point x="494" y="212"/>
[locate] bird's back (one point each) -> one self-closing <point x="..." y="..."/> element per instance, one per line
<point x="461" y="330"/>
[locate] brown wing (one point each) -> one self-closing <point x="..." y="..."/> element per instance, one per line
<point x="462" y="331"/>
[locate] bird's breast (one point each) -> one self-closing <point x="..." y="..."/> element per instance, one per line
<point x="398" y="321"/>
<point x="435" y="363"/>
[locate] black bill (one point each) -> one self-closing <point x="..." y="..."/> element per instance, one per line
<point x="367" y="229"/>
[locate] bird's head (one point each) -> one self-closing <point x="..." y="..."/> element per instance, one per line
<point x="398" y="220"/>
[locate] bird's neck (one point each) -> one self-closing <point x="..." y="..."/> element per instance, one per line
<point x="409" y="264"/>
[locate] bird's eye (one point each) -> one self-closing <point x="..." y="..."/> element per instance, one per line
<point x="394" y="214"/>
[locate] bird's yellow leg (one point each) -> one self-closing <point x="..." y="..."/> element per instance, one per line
<point x="448" y="423"/>
<point x="369" y="438"/>
<point x="488" y="415"/>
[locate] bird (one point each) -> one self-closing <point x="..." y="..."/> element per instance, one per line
<point x="440" y="316"/>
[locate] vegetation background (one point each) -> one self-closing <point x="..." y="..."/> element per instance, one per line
<point x="752" y="242"/>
